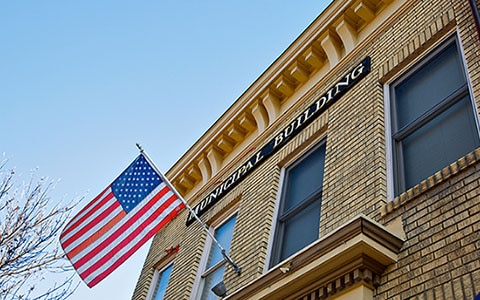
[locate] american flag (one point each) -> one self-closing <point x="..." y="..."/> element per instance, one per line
<point x="119" y="221"/>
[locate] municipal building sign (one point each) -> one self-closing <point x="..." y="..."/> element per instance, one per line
<point x="282" y="138"/>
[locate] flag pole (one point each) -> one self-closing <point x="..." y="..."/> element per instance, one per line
<point x="204" y="226"/>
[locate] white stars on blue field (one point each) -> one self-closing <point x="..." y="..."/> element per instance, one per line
<point x="135" y="183"/>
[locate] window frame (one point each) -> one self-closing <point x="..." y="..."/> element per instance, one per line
<point x="152" y="291"/>
<point x="276" y="240"/>
<point x="204" y="272"/>
<point x="396" y="183"/>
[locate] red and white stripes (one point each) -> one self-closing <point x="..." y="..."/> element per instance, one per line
<point x="102" y="236"/>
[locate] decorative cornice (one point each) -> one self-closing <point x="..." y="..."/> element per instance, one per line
<point x="321" y="47"/>
<point x="357" y="252"/>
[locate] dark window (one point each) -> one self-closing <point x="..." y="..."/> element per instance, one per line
<point x="433" y="123"/>
<point x="298" y="220"/>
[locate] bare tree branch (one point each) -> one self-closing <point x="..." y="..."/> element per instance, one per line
<point x="30" y="224"/>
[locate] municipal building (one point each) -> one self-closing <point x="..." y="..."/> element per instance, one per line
<point x="349" y="169"/>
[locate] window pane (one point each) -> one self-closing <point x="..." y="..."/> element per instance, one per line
<point x="300" y="230"/>
<point x="210" y="281"/>
<point x="440" y="142"/>
<point x="162" y="283"/>
<point x="305" y="178"/>
<point x="431" y="144"/>
<point x="428" y="86"/>
<point x="223" y="234"/>
<point x="298" y="222"/>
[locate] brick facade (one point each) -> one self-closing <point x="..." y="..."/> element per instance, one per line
<point x="439" y="217"/>
<point x="440" y="258"/>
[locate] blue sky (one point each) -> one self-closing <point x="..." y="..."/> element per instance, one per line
<point x="82" y="81"/>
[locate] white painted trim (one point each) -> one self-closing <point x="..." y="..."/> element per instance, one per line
<point x="469" y="82"/>
<point x="271" y="238"/>
<point x="388" y="142"/>
<point x="153" y="283"/>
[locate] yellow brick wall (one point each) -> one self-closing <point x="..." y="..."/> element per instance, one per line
<point x="441" y="219"/>
<point x="441" y="257"/>
<point x="441" y="216"/>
